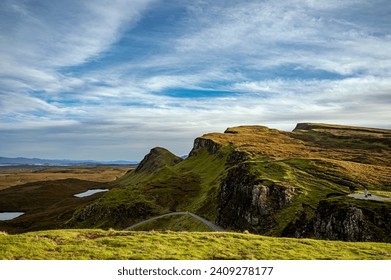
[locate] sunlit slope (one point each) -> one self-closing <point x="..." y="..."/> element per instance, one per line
<point x="99" y="244"/>
<point x="263" y="180"/>
<point x="188" y="185"/>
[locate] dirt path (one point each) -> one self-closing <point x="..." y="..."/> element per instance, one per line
<point x="211" y="225"/>
<point x="370" y="197"/>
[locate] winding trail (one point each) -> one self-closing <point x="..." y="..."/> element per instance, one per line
<point x="369" y="197"/>
<point x="211" y="225"/>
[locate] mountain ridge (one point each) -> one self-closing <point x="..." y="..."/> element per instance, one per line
<point x="261" y="180"/>
<point x="269" y="182"/>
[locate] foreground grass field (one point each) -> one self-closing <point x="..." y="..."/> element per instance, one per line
<point x="99" y="244"/>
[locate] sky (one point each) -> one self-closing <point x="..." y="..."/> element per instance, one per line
<point x="111" y="79"/>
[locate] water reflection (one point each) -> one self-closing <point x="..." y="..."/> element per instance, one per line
<point x="5" y="216"/>
<point x="90" y="192"/>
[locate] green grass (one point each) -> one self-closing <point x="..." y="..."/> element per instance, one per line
<point x="118" y="208"/>
<point x="380" y="193"/>
<point x="318" y="164"/>
<point x="99" y="244"/>
<point x="191" y="185"/>
<point x="210" y="169"/>
<point x="314" y="180"/>
<point x="304" y="175"/>
<point x="174" y="223"/>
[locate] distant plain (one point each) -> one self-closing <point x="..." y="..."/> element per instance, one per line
<point x="17" y="175"/>
<point x="46" y="193"/>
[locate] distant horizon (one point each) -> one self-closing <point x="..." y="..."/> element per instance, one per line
<point x="138" y="160"/>
<point x="70" y="160"/>
<point x="99" y="79"/>
<point x="134" y="161"/>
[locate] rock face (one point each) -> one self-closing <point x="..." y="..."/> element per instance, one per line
<point x="265" y="181"/>
<point x="246" y="202"/>
<point x="351" y="223"/>
<point x="156" y="158"/>
<point x="335" y="221"/>
<point x="213" y="148"/>
<point x="205" y="144"/>
<point x="236" y="157"/>
<point x="346" y="224"/>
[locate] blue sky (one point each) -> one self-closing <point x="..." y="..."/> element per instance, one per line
<point x="109" y="80"/>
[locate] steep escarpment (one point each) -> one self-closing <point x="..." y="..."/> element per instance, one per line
<point x="285" y="180"/>
<point x="344" y="219"/>
<point x="263" y="180"/>
<point x="201" y="144"/>
<point x="248" y="202"/>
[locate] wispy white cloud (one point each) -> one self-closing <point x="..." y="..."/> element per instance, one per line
<point x="40" y="38"/>
<point x="269" y="33"/>
<point x="275" y="63"/>
<point x="58" y="34"/>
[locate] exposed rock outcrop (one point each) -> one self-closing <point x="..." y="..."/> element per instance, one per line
<point x="236" y="157"/>
<point x="342" y="221"/>
<point x="247" y="202"/>
<point x="205" y="144"/>
<point x="255" y="178"/>
<point x="351" y="223"/>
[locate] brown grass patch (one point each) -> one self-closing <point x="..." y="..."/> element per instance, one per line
<point x="13" y="176"/>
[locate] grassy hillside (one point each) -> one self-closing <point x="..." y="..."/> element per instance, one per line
<point x="46" y="193"/>
<point x="190" y="185"/>
<point x="47" y="204"/>
<point x="174" y="223"/>
<point x="99" y="244"/>
<point x="251" y="178"/>
<point x="260" y="179"/>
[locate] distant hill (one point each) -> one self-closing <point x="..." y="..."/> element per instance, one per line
<point x="158" y="157"/>
<point x="60" y="162"/>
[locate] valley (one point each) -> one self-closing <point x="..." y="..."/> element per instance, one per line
<point x="46" y="196"/>
<point x="298" y="188"/>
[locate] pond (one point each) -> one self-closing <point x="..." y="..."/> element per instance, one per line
<point x="5" y="216"/>
<point x="90" y="192"/>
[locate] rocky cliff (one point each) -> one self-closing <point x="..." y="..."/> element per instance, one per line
<point x="209" y="145"/>
<point x="247" y="202"/>
<point x="291" y="191"/>
<point x="337" y="219"/>
<point x="266" y="181"/>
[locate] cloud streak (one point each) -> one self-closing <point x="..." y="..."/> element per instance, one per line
<point x="129" y="75"/>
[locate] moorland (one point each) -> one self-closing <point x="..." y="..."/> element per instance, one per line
<point x="319" y="192"/>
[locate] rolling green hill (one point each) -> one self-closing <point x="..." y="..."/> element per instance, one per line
<point x="271" y="184"/>
<point x="263" y="180"/>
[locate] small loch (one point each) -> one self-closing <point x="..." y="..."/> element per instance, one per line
<point x="90" y="192"/>
<point x="6" y="216"/>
